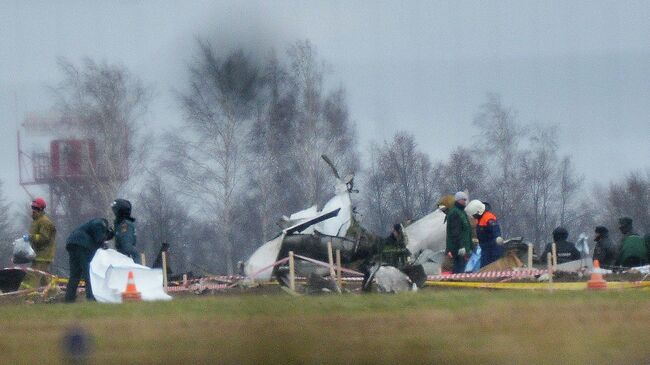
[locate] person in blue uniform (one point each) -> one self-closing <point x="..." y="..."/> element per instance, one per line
<point x="124" y="227"/>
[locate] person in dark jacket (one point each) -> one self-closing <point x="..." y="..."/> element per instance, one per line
<point x="459" y="235"/>
<point x="633" y="251"/>
<point x="566" y="251"/>
<point x="124" y="227"/>
<point x="81" y="245"/>
<point x="605" y="250"/>
<point x="488" y="231"/>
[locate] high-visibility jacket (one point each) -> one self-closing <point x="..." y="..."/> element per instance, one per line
<point x="42" y="235"/>
<point x="487" y="231"/>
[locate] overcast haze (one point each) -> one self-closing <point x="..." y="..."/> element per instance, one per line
<point x="423" y="67"/>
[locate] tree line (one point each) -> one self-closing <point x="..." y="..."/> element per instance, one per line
<point x="248" y="151"/>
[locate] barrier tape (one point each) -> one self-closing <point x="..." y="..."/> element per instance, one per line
<point x="614" y="285"/>
<point x="25" y="268"/>
<point x="325" y="264"/>
<point x="488" y="275"/>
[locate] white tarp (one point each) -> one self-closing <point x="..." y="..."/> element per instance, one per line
<point x="109" y="272"/>
<point x="429" y="232"/>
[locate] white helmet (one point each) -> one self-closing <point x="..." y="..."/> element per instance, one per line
<point x="475" y="207"/>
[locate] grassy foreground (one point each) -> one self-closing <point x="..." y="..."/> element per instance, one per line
<point x="427" y="327"/>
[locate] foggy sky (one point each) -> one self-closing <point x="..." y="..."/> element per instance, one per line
<point x="424" y="67"/>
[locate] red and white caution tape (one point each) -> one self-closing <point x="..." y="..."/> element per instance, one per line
<point x="325" y="264"/>
<point x="489" y="275"/>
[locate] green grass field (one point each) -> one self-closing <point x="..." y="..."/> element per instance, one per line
<point x="432" y="326"/>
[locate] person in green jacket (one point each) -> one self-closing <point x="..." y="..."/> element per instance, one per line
<point x="42" y="237"/>
<point x="459" y="235"/>
<point x="81" y="245"/>
<point x="633" y="251"/>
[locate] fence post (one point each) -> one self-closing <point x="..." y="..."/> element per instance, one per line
<point x="164" y="268"/>
<point x="292" y="275"/>
<point x="338" y="268"/>
<point x="554" y="250"/>
<point x="549" y="265"/>
<point x="143" y="259"/>
<point x="530" y="256"/>
<point x="330" y="257"/>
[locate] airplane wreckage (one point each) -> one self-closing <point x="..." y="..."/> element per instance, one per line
<point x="394" y="263"/>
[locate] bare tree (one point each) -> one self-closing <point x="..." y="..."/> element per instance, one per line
<point x="399" y="182"/>
<point x="570" y="185"/>
<point x="463" y="171"/>
<point x="105" y="105"/>
<point x="631" y="198"/>
<point x="7" y="229"/>
<point x="378" y="210"/>
<point x="163" y="219"/>
<point x="499" y="137"/>
<point x="207" y="156"/>
<point x="322" y="123"/>
<point x="272" y="174"/>
<point x="538" y="172"/>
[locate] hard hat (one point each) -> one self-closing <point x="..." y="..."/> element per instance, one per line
<point x="38" y="203"/>
<point x="121" y="208"/>
<point x="475" y="207"/>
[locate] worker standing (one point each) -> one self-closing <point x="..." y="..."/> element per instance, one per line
<point x="459" y="235"/>
<point x="633" y="251"/>
<point x="488" y="231"/>
<point x="81" y="245"/>
<point x="566" y="251"/>
<point x="605" y="250"/>
<point x="42" y="235"/>
<point x="124" y="227"/>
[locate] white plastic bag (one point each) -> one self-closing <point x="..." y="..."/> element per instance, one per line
<point x="474" y="262"/>
<point x="23" y="251"/>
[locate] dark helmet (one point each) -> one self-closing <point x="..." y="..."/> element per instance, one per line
<point x="625" y="225"/>
<point x="121" y="208"/>
<point x="602" y="230"/>
<point x="560" y="234"/>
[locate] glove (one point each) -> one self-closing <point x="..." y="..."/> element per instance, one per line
<point x="462" y="252"/>
<point x="499" y="241"/>
<point x="26" y="237"/>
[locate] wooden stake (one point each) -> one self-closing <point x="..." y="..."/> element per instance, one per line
<point x="554" y="250"/>
<point x="292" y="272"/>
<point x="549" y="265"/>
<point x="530" y="255"/>
<point x="339" y="279"/>
<point x="164" y="268"/>
<point x="330" y="257"/>
<point x="143" y="259"/>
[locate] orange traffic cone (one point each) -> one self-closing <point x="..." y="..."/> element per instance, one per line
<point x="131" y="294"/>
<point x="596" y="281"/>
